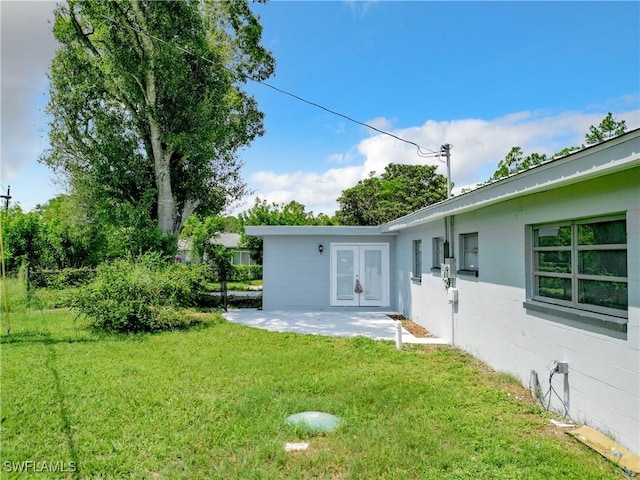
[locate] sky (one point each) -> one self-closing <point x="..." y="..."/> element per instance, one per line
<point x="481" y="76"/>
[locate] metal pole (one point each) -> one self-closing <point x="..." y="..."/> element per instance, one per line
<point x="446" y="151"/>
<point x="7" y="197"/>
<point x="398" y="334"/>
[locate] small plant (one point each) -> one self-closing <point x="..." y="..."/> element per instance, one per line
<point x="147" y="294"/>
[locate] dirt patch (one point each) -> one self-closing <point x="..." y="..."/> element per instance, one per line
<point x="412" y="327"/>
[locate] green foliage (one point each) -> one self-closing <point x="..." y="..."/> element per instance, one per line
<point x="400" y="190"/>
<point x="515" y="161"/>
<point x="609" y="127"/>
<point x="22" y="239"/>
<point x="227" y="224"/>
<point x="52" y="236"/>
<point x="246" y="273"/>
<point x="565" y="151"/>
<point x="59" y="279"/>
<point x="218" y="257"/>
<point x="265" y="213"/>
<point x="147" y="294"/>
<point x="143" y="126"/>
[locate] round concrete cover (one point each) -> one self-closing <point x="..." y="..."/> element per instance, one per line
<point x="317" y="421"/>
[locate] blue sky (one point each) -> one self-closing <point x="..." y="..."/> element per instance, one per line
<point x="482" y="76"/>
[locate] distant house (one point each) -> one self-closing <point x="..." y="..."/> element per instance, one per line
<point x="241" y="256"/>
<point x="537" y="274"/>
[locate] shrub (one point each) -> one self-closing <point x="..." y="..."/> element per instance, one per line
<point x="147" y="294"/>
<point x="59" y="279"/>
<point x="246" y="273"/>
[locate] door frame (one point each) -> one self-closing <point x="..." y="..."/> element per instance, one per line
<point x="359" y="247"/>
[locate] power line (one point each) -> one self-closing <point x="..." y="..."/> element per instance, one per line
<point x="421" y="151"/>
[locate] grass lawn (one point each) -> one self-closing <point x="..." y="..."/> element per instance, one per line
<point x="211" y="403"/>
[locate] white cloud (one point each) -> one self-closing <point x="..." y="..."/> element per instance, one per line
<point x="317" y="191"/>
<point x="477" y="146"/>
<point x="381" y="123"/>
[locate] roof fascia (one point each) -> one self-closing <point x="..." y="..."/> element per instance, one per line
<point x="329" y="230"/>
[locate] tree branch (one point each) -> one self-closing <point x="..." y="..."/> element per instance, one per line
<point x="83" y="36"/>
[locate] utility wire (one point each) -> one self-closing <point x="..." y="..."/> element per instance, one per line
<point x="421" y="151"/>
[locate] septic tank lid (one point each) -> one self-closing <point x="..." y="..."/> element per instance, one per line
<point x="317" y="421"/>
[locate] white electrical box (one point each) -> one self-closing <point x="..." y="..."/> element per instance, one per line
<point x="452" y="295"/>
<point x="445" y="270"/>
<point x="448" y="268"/>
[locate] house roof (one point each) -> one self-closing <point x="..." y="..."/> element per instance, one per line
<point x="229" y="240"/>
<point x="618" y="154"/>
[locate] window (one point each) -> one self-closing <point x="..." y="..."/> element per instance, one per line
<point x="438" y="252"/>
<point x="582" y="264"/>
<point x="242" y="257"/>
<point x="417" y="259"/>
<point x="469" y="250"/>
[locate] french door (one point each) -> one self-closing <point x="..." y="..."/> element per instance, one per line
<point x="360" y="275"/>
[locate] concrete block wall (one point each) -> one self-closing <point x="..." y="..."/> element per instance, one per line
<point x="491" y="322"/>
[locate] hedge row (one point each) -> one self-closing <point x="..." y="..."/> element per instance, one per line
<point x="246" y="273"/>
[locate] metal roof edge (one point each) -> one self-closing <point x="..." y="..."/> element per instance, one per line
<point x="575" y="167"/>
<point x="326" y="230"/>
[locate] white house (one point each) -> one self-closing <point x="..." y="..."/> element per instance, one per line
<point x="542" y="277"/>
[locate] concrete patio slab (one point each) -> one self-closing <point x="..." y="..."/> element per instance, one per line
<point x="376" y="325"/>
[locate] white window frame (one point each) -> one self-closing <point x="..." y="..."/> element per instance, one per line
<point x="575" y="276"/>
<point x="241" y="255"/>
<point x="417" y="259"/>
<point x="466" y="250"/>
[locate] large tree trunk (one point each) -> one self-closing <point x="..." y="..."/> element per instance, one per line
<point x="166" y="203"/>
<point x="166" y="209"/>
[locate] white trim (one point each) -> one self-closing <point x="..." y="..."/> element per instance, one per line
<point x="281" y="230"/>
<point x="359" y="250"/>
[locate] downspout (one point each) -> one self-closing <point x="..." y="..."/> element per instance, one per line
<point x="449" y="245"/>
<point x="449" y="254"/>
<point x="452" y="282"/>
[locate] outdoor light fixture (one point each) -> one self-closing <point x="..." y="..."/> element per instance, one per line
<point x="320" y="249"/>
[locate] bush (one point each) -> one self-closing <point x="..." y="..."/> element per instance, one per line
<point x="60" y="279"/>
<point x="246" y="273"/>
<point x="144" y="295"/>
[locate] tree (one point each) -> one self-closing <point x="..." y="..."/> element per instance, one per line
<point x="265" y="213"/>
<point x="400" y="190"/>
<point x="608" y="128"/>
<point x="69" y="238"/>
<point x="22" y="238"/>
<point x="515" y="161"/>
<point x="218" y="257"/>
<point x="52" y="236"/>
<point x="148" y="113"/>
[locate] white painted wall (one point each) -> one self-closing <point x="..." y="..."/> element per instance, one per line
<point x="297" y="276"/>
<point x="491" y="322"/>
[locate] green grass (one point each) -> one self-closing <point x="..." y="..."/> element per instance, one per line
<point x="237" y="286"/>
<point x="211" y="403"/>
